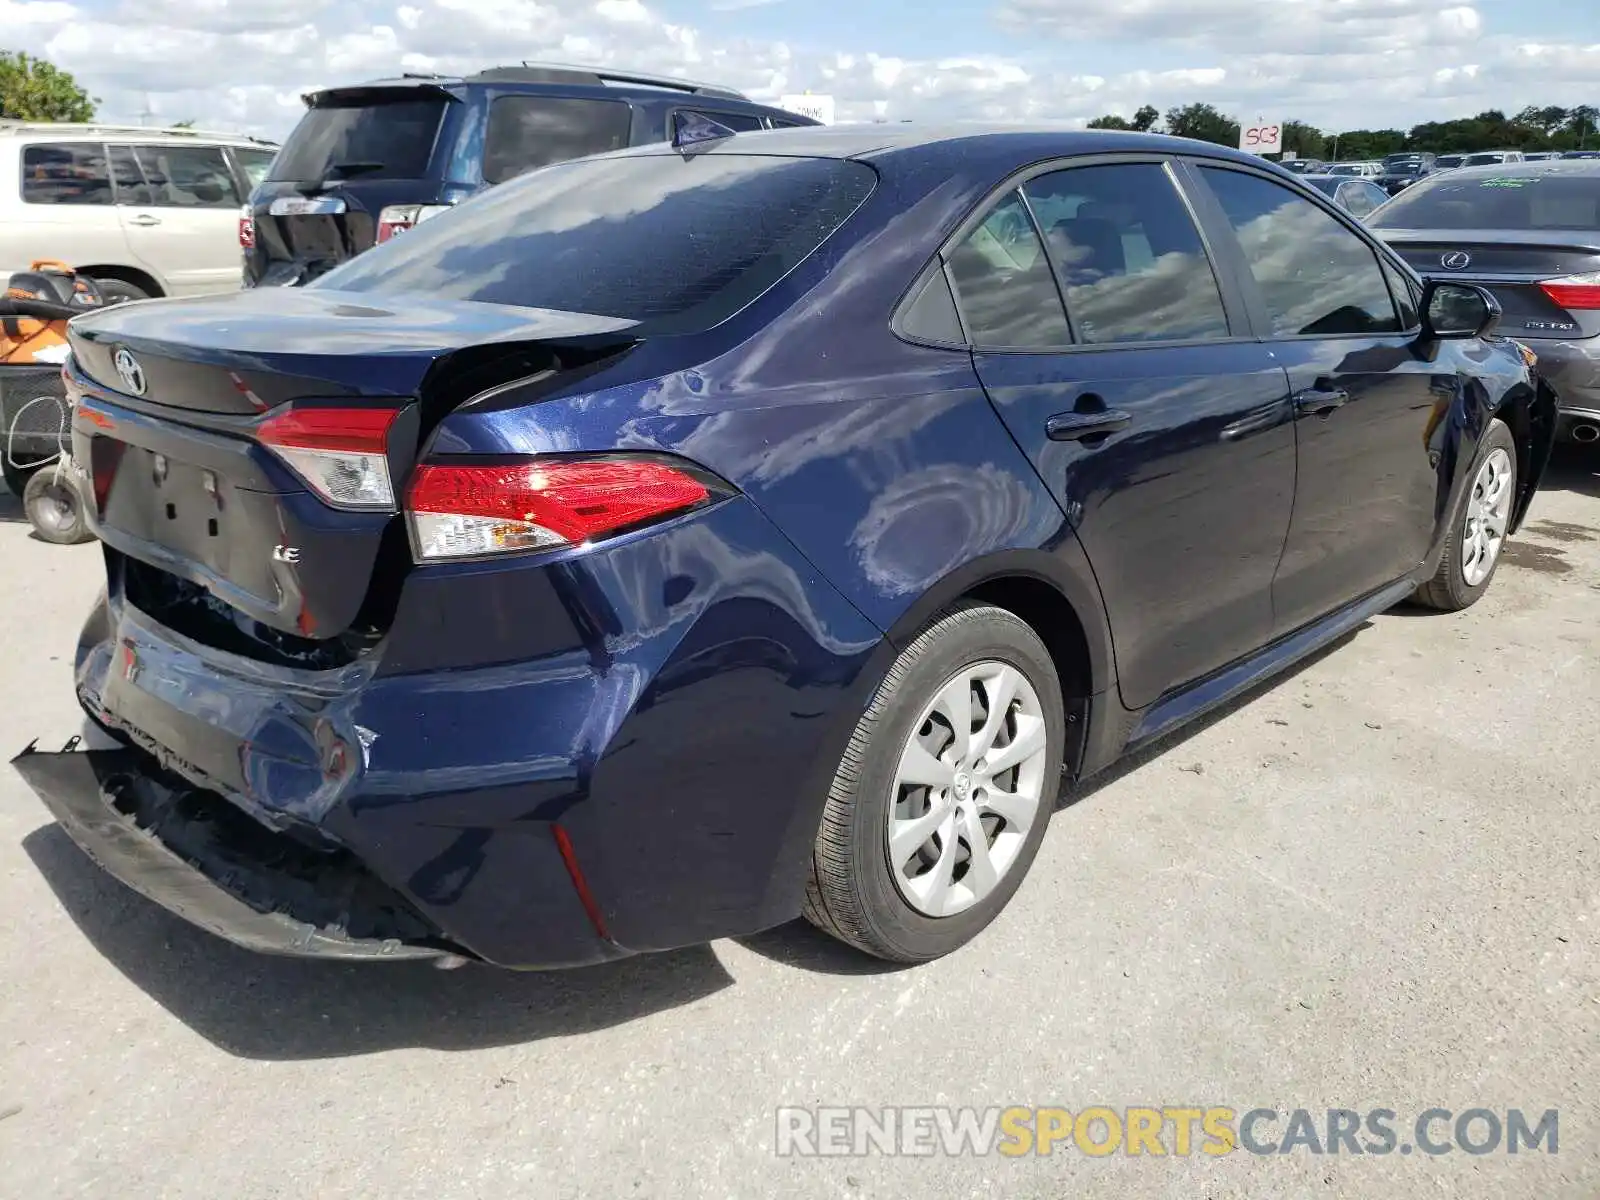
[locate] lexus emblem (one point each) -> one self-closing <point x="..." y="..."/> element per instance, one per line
<point x="1456" y="260"/>
<point x="130" y="372"/>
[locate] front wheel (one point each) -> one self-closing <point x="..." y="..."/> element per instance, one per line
<point x="1479" y="522"/>
<point x="946" y="788"/>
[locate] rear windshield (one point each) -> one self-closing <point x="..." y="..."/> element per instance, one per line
<point x="392" y="139"/>
<point x="1403" y="162"/>
<point x="1503" y="201"/>
<point x="678" y="245"/>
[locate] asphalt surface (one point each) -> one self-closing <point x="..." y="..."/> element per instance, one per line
<point x="1373" y="884"/>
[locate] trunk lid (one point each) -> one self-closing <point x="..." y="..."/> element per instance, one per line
<point x="172" y="398"/>
<point x="1511" y="265"/>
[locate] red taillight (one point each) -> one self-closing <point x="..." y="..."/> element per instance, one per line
<point x="1574" y="292"/>
<point x="397" y="218"/>
<point x="247" y="229"/>
<point x="341" y="453"/>
<point x="472" y="511"/>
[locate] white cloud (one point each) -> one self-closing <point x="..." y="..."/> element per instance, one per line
<point x="1337" y="63"/>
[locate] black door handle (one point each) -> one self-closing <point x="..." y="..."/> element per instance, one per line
<point x="1319" y="402"/>
<point x="1076" y="426"/>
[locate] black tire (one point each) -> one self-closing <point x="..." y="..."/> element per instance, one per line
<point x="16" y="478"/>
<point x="1448" y="590"/>
<point x="852" y="893"/>
<point x="120" y="291"/>
<point x="55" y="509"/>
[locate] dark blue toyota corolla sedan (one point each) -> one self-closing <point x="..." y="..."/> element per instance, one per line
<point x="670" y="543"/>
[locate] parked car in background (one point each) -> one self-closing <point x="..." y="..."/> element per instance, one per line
<point x="1448" y="162"/>
<point x="668" y="543"/>
<point x="1358" y="197"/>
<point x="1304" y="166"/>
<point x="372" y="160"/>
<point x="1492" y="158"/>
<point x="1529" y="234"/>
<point x="1540" y="155"/>
<point x="144" y="212"/>
<point x="1360" y="170"/>
<point x="1400" y="171"/>
<point x="1580" y="154"/>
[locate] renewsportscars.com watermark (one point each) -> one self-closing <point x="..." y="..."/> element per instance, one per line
<point x="1158" y="1132"/>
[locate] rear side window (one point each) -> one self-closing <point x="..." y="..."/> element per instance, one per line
<point x="65" y="173"/>
<point x="527" y="132"/>
<point x="738" y="122"/>
<point x="254" y="163"/>
<point x="188" y="176"/>
<point x="676" y="245"/>
<point x="385" y="139"/>
<point x="1003" y="283"/>
<point x="1128" y="254"/>
<point x="1316" y="277"/>
<point x="1407" y="296"/>
<point x="1515" y="202"/>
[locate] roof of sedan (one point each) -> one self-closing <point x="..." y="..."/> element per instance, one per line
<point x="873" y="141"/>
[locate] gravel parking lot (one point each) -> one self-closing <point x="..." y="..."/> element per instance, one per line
<point x="1375" y="884"/>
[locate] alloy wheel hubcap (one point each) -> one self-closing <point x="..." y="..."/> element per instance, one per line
<point x="967" y="789"/>
<point x="1488" y="515"/>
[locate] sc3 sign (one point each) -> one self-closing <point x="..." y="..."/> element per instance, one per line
<point x="1261" y="138"/>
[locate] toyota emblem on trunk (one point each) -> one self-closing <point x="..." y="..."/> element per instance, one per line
<point x="130" y="372"/>
<point x="1456" y="260"/>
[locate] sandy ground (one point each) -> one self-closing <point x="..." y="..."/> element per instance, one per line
<point x="1374" y="884"/>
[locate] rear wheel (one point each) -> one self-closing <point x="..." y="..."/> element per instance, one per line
<point x="120" y="291"/>
<point x="946" y="788"/>
<point x="1478" y="526"/>
<point x="55" y="510"/>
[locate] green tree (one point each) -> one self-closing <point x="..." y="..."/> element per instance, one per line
<point x="1110" y="121"/>
<point x="1204" y="123"/>
<point x="34" y="90"/>
<point x="1365" y="144"/>
<point x="1581" y="124"/>
<point x="1305" y="141"/>
<point x="1145" y="119"/>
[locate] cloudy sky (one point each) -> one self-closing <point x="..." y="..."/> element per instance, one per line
<point x="242" y="64"/>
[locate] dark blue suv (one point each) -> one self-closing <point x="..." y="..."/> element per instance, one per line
<point x="370" y="161"/>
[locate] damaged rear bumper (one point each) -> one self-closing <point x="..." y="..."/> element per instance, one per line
<point x="196" y="856"/>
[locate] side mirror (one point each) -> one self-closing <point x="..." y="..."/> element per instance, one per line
<point x="1458" y="310"/>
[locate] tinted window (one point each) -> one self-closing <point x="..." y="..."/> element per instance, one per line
<point x="1358" y="198"/>
<point x="780" y="123"/>
<point x="65" y="174"/>
<point x="1515" y="202"/>
<point x="188" y="176"/>
<point x="1004" y="285"/>
<point x="1407" y="295"/>
<point x="254" y="163"/>
<point x="526" y="132"/>
<point x="931" y="313"/>
<point x="1326" y="184"/>
<point x="738" y="122"/>
<point x="1128" y="255"/>
<point x="1315" y="276"/>
<point x="387" y="140"/>
<point x="678" y="245"/>
<point x="131" y="185"/>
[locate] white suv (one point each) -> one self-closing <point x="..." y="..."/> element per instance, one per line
<point x="145" y="212"/>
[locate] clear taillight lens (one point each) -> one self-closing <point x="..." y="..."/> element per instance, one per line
<point x="475" y="511"/>
<point x="397" y="218"/>
<point x="342" y="454"/>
